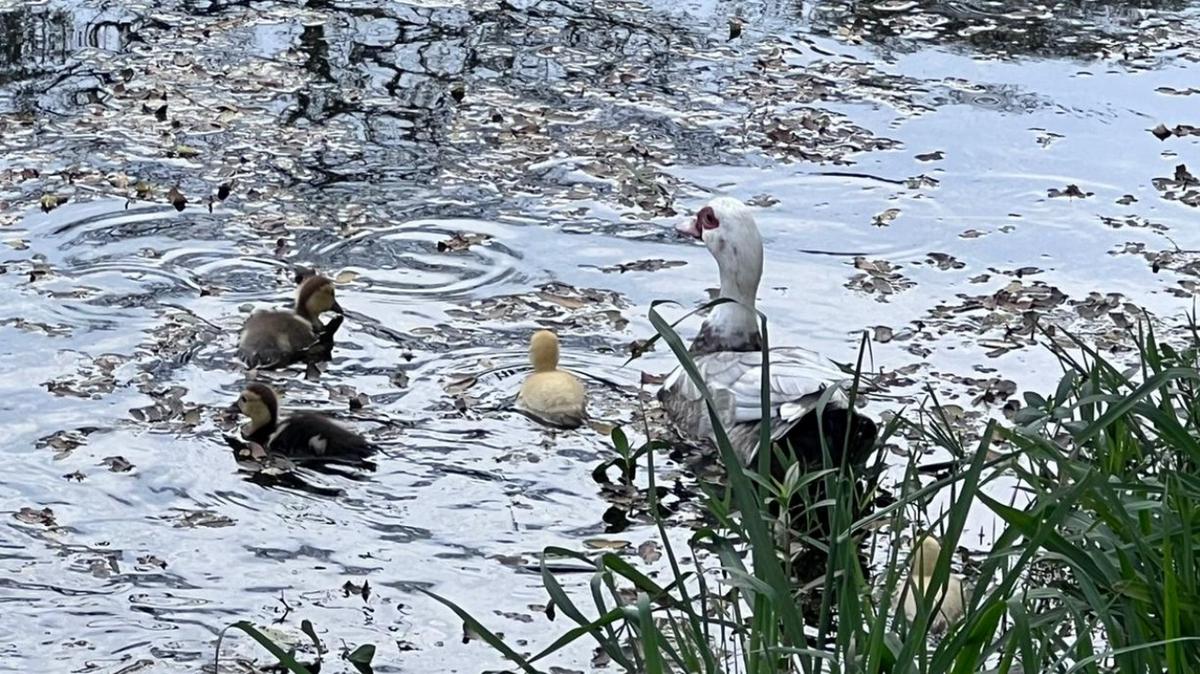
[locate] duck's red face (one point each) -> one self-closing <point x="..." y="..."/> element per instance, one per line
<point x="706" y="219"/>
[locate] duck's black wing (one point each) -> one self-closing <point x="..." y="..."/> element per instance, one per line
<point x="313" y="437"/>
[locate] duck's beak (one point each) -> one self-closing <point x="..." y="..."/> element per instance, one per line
<point x="689" y="227"/>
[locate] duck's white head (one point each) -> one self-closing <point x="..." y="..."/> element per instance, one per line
<point x="727" y="228"/>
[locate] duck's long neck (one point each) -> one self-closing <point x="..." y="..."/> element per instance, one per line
<point x="733" y="326"/>
<point x="302" y="311"/>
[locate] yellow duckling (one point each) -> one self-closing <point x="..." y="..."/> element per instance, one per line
<point x="550" y="394"/>
<point x="924" y="562"/>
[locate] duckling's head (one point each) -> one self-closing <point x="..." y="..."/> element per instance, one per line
<point x="315" y="296"/>
<point x="543" y="351"/>
<point x="925" y="558"/>
<point x="259" y="403"/>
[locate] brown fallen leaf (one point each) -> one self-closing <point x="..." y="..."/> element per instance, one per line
<point x="151" y="561"/>
<point x="43" y="517"/>
<point x="461" y="241"/>
<point x="117" y="464"/>
<point x="885" y="218"/>
<point x="652" y="379"/>
<point x="177" y="199"/>
<point x="605" y="544"/>
<point x="735" y="27"/>
<point x="1071" y="190"/>
<point x="649" y="552"/>
<point x="1161" y="132"/>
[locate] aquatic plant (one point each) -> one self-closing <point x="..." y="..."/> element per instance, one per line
<point x="1105" y="467"/>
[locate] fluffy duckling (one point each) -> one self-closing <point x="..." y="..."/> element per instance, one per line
<point x="550" y="394"/>
<point x="924" y="562"/>
<point x="299" y="436"/>
<point x="273" y="338"/>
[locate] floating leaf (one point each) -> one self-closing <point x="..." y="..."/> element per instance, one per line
<point x="649" y="552"/>
<point x="1072" y="191"/>
<point x="461" y="241"/>
<point x="885" y="218"/>
<point x="117" y="464"/>
<point x="177" y="199"/>
<point x="735" y="28"/>
<point x="184" y="151"/>
<point x="43" y="517"/>
<point x="606" y="544"/>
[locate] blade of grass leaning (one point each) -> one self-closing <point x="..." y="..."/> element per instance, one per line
<point x="694" y="622"/>
<point x="484" y="633"/>
<point x="281" y="656"/>
<point x="746" y="496"/>
<point x="563" y="602"/>
<point x="650" y="636"/>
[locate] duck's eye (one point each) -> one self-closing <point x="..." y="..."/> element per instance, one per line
<point x="707" y="219"/>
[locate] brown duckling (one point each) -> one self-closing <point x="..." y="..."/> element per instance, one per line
<point x="299" y="436"/>
<point x="278" y="338"/>
<point x="550" y="394"/>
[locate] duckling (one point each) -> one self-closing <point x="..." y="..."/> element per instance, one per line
<point x="279" y="338"/>
<point x="550" y="394"/>
<point x="300" y="436"/>
<point x="924" y="562"/>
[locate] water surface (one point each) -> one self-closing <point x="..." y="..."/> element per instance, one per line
<point x="911" y="163"/>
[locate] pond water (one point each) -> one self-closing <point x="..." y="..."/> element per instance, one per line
<point x="944" y="175"/>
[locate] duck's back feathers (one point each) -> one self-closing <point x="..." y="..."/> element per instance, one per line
<point x="555" y="397"/>
<point x="312" y="436"/>
<point x="274" y="339"/>
<point x="953" y="600"/>
<point x="798" y="380"/>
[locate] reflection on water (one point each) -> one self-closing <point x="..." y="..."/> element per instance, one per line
<point x="467" y="172"/>
<point x="1079" y="29"/>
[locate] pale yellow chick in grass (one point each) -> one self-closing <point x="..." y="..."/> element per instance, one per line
<point x="924" y="562"/>
<point x="549" y="394"/>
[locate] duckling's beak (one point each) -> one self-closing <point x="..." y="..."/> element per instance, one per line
<point x="233" y="408"/>
<point x="337" y="308"/>
<point x="689" y="227"/>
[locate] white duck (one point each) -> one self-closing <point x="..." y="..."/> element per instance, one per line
<point x="728" y="354"/>
<point x="924" y="562"/>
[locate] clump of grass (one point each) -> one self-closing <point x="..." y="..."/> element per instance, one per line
<point x="1107" y="470"/>
<point x="359" y="658"/>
